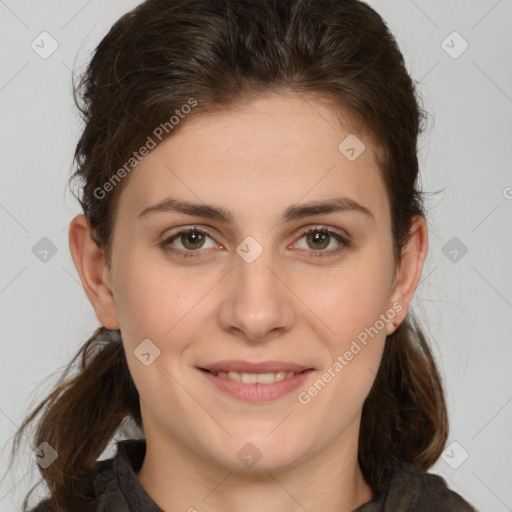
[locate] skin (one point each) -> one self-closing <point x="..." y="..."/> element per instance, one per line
<point x="255" y="160"/>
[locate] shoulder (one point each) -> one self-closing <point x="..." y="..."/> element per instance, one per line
<point x="412" y="489"/>
<point x="107" y="495"/>
<point x="43" y="506"/>
<point x="408" y="489"/>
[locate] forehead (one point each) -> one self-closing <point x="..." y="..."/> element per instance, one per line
<point x="260" y="156"/>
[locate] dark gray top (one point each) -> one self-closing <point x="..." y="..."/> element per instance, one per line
<point x="118" y="490"/>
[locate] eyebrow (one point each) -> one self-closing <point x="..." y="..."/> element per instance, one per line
<point x="292" y="213"/>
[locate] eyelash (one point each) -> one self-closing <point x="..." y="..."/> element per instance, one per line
<point x="345" y="243"/>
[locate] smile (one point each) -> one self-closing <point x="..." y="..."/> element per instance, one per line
<point x="256" y="387"/>
<point x="253" y="378"/>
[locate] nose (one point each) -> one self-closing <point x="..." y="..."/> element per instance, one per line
<point x="257" y="304"/>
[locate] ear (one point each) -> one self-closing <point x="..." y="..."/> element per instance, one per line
<point x="409" y="270"/>
<point x="94" y="273"/>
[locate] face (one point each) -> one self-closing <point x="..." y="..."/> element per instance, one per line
<point x="190" y="289"/>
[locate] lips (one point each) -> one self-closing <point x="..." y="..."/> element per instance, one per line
<point x="256" y="387"/>
<point x="248" y="367"/>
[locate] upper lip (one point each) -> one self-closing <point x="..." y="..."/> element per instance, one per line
<point x="262" y="367"/>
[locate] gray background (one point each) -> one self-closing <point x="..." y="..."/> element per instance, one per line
<point x="466" y="152"/>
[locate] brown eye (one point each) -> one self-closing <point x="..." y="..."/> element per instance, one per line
<point x="192" y="239"/>
<point x="318" y="239"/>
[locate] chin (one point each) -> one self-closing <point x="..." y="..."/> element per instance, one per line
<point x="258" y="455"/>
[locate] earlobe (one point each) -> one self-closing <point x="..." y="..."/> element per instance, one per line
<point x="410" y="269"/>
<point x="94" y="273"/>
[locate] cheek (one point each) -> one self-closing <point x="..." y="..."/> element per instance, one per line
<point x="154" y="303"/>
<point x="150" y="298"/>
<point x="356" y="308"/>
<point x="355" y="351"/>
<point x="356" y="295"/>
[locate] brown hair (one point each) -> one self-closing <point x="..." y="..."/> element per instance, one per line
<point x="221" y="53"/>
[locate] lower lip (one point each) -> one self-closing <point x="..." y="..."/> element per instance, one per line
<point x="257" y="393"/>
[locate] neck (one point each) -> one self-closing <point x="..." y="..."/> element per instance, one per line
<point x="328" y="480"/>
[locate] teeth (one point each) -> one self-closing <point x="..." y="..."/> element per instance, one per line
<point x="253" y="378"/>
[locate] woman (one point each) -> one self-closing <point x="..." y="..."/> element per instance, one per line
<point x="251" y="242"/>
